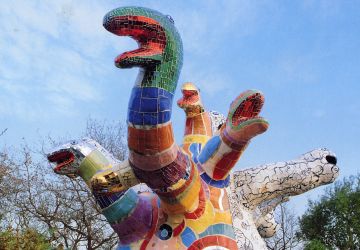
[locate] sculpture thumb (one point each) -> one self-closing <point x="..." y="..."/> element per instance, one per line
<point x="243" y="122"/>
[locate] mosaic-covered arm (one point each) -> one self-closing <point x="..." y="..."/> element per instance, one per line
<point x="131" y="214"/>
<point x="222" y="151"/>
<point x="154" y="156"/>
<point x="283" y="179"/>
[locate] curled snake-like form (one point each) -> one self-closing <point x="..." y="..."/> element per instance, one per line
<point x="190" y="200"/>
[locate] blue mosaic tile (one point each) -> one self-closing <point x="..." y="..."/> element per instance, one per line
<point x="188" y="237"/>
<point x="209" y="149"/>
<point x="215" y="183"/>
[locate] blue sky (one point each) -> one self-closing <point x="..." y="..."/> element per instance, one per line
<point x="56" y="70"/>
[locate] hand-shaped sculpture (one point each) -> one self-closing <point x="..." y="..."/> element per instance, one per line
<point x="194" y="202"/>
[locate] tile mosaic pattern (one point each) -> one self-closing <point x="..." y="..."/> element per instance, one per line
<point x="167" y="196"/>
<point x="241" y="213"/>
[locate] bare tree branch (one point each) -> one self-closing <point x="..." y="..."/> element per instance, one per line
<point x="63" y="210"/>
<point x="3" y="132"/>
<point x="285" y="237"/>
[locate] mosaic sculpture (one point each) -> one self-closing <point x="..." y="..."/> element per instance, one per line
<point x="167" y="196"/>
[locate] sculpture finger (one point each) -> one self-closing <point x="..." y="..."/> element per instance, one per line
<point x="243" y="122"/>
<point x="222" y="152"/>
<point x="281" y="179"/>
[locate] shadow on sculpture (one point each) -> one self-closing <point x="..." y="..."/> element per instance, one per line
<point x="184" y="197"/>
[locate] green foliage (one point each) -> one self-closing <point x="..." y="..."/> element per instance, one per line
<point x="334" y="221"/>
<point x="28" y="240"/>
<point x="315" y="245"/>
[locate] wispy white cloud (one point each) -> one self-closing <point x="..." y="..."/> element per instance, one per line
<point x="229" y="19"/>
<point x="209" y="36"/>
<point x="52" y="49"/>
<point x="20" y="108"/>
<point x="56" y="48"/>
<point x="210" y="80"/>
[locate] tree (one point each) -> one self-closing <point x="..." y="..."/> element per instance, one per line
<point x="285" y="237"/>
<point x="111" y="135"/>
<point x="27" y="240"/>
<point x="60" y="210"/>
<point x="314" y="245"/>
<point x="9" y="187"/>
<point x="334" y="221"/>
